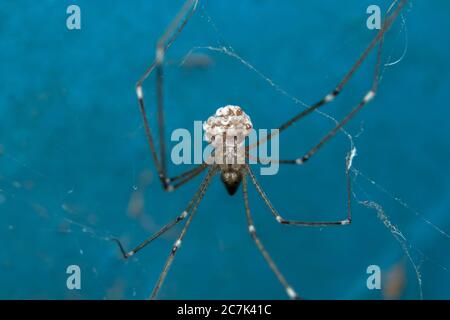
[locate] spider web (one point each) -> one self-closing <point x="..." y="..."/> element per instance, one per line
<point x="64" y="214"/>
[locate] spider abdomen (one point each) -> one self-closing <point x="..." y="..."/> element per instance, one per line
<point x="226" y="131"/>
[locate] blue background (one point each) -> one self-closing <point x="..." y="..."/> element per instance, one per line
<point x="73" y="154"/>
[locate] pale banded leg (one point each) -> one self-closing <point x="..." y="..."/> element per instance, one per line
<point x="299" y="161"/>
<point x="165" y="228"/>
<point x="163" y="44"/>
<point x="365" y="100"/>
<point x="340" y="86"/>
<point x="184" y="177"/>
<point x="177" y="243"/>
<point x="251" y="229"/>
<point x="282" y="220"/>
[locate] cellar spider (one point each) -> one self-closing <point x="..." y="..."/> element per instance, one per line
<point x="235" y="174"/>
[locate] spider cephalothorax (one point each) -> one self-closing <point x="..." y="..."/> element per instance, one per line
<point x="226" y="131"/>
<point x="231" y="176"/>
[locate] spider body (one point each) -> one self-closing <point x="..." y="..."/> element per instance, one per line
<point x="226" y="131"/>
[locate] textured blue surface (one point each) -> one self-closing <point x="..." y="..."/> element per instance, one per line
<point x="73" y="151"/>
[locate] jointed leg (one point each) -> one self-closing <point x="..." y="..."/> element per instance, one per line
<point x="169" y="225"/>
<point x="164" y="43"/>
<point x="281" y="220"/>
<point x="367" y="98"/>
<point x="333" y="94"/>
<point x="184" y="177"/>
<point x="177" y="243"/>
<point x="251" y="229"/>
<point x="299" y="161"/>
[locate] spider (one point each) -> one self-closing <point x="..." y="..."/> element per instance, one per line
<point x="235" y="174"/>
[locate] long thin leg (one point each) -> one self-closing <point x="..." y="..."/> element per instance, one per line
<point x="251" y="229"/>
<point x="340" y="86"/>
<point x="165" y="228"/>
<point x="367" y="98"/>
<point x="177" y="243"/>
<point x="299" y="161"/>
<point x="282" y="220"/>
<point x="185" y="177"/>
<point x="156" y="235"/>
<point x="164" y="43"/>
<point x="189" y="173"/>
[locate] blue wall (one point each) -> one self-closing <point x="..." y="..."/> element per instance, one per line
<point x="73" y="154"/>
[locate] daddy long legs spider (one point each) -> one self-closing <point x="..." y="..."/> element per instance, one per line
<point x="231" y="121"/>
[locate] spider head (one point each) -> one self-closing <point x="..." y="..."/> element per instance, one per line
<point x="231" y="178"/>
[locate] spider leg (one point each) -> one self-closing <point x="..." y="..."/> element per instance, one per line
<point x="365" y="100"/>
<point x="188" y="210"/>
<point x="163" y="44"/>
<point x="177" y="243"/>
<point x="251" y="229"/>
<point x="282" y="220"/>
<point x="185" y="177"/>
<point x="156" y="235"/>
<point x="340" y="86"/>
